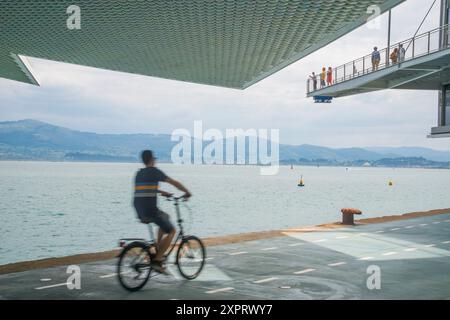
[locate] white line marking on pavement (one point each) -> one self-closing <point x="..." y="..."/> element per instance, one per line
<point x="365" y="258"/>
<point x="267" y="249"/>
<point x="381" y="231"/>
<point x="238" y="253"/>
<point x="409" y="227"/>
<point x="304" y="271"/>
<point x="210" y="258"/>
<point x="53" y="286"/>
<point x="342" y="237"/>
<point x="337" y="264"/>
<point x="430" y="245"/>
<point x="362" y="234"/>
<point x="108" y="275"/>
<point x="46" y="279"/>
<point x="219" y="290"/>
<point x="389" y="253"/>
<point x="436" y="222"/>
<point x="320" y="240"/>
<point x="395" y="229"/>
<point x="265" y="280"/>
<point x="445" y="242"/>
<point x="296" y="244"/>
<point x="423" y="224"/>
<point x="411" y="249"/>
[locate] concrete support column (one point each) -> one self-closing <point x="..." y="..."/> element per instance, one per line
<point x="445" y="102"/>
<point x="443" y="113"/>
<point x="444" y="20"/>
<point x="441" y="108"/>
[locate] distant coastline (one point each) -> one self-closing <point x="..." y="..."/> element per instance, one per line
<point x="357" y="164"/>
<point x="31" y="140"/>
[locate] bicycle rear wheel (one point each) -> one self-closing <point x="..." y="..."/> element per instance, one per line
<point x="133" y="267"/>
<point x="191" y="256"/>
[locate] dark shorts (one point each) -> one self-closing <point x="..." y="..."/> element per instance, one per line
<point x="159" y="218"/>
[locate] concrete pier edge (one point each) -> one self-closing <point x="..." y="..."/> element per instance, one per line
<point x="212" y="241"/>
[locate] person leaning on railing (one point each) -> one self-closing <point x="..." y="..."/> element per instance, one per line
<point x="313" y="78"/>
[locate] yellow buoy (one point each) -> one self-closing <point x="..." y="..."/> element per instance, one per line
<point x="391" y="183"/>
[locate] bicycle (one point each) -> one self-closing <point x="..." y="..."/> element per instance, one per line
<point x="134" y="264"/>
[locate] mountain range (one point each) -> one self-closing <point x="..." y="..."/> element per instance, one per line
<point x="36" y="140"/>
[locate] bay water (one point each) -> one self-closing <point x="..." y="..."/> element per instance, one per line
<point x="51" y="209"/>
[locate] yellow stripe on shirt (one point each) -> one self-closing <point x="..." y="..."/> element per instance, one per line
<point x="145" y="187"/>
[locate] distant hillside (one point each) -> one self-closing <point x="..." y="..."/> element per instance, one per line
<point x="35" y="140"/>
<point x="30" y="139"/>
<point x="310" y="152"/>
<point x="430" y="154"/>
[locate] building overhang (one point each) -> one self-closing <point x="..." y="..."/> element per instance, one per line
<point x="233" y="43"/>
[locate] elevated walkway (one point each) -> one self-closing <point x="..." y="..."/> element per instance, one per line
<point x="425" y="66"/>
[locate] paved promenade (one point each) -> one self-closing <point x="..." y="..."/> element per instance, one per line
<point x="412" y="257"/>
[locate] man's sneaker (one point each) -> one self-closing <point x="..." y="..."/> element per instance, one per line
<point x="158" y="266"/>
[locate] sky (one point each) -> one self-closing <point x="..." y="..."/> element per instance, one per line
<point x="102" y="101"/>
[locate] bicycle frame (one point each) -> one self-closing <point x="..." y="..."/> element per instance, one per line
<point x="180" y="234"/>
<point x="153" y="241"/>
<point x="139" y="264"/>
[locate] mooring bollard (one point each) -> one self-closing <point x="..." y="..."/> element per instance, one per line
<point x="348" y="215"/>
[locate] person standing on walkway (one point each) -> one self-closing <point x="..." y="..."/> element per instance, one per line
<point x="401" y="53"/>
<point x="394" y="56"/>
<point x="313" y="78"/>
<point x="323" y="76"/>
<point x="330" y="76"/>
<point x="375" y="59"/>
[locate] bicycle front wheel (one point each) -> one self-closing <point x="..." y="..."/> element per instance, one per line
<point x="191" y="256"/>
<point x="133" y="267"/>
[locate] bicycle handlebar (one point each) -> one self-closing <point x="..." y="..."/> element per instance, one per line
<point x="171" y="198"/>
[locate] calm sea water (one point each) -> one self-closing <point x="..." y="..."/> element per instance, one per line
<point x="56" y="209"/>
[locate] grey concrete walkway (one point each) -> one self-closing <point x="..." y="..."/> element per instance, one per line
<point x="413" y="257"/>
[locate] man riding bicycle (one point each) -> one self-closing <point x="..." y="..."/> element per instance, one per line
<point x="145" y="194"/>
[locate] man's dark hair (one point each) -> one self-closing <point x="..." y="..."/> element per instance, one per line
<point x="147" y="156"/>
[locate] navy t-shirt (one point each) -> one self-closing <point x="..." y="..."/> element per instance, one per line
<point x="146" y="186"/>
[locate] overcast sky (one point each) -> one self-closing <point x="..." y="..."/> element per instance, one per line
<point x="102" y="101"/>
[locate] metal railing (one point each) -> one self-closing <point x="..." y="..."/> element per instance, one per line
<point x="420" y="45"/>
